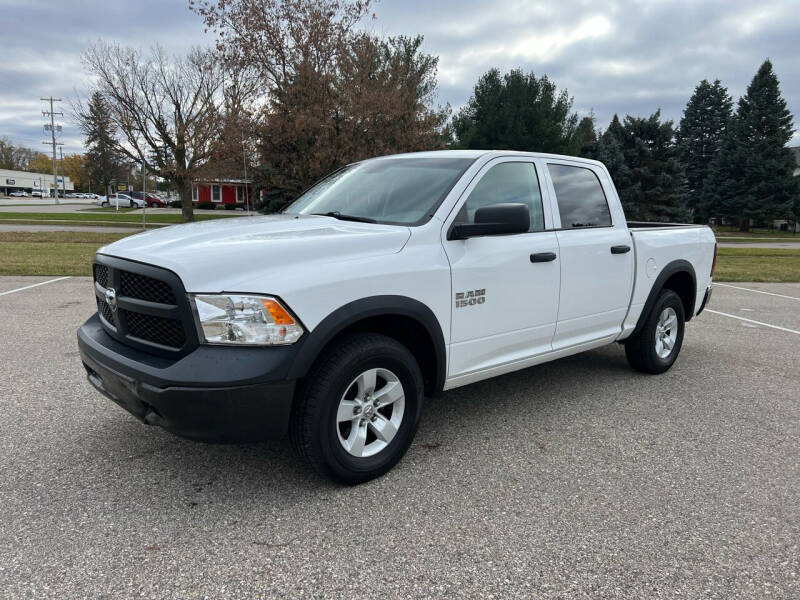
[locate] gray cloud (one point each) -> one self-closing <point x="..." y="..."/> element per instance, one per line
<point x="613" y="57"/>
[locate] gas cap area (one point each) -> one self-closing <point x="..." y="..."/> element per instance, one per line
<point x="651" y="267"/>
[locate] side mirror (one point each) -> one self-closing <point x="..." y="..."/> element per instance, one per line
<point x="496" y="219"/>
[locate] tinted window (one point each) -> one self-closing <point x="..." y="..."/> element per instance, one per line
<point x="389" y="190"/>
<point x="580" y="197"/>
<point x="506" y="182"/>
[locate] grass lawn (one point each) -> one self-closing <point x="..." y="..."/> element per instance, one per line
<point x="108" y="217"/>
<point x="757" y="264"/>
<point x="50" y="253"/>
<point x="71" y="252"/>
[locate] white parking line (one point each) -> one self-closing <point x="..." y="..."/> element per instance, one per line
<point x="27" y="287"/>
<point x="716" y="312"/>
<point x="736" y="287"/>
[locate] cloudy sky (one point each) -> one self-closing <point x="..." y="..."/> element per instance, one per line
<point x="630" y="56"/>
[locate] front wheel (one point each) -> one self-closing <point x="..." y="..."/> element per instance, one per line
<point x="656" y="346"/>
<point x="358" y="409"/>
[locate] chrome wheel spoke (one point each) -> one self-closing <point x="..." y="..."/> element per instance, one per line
<point x="383" y="428"/>
<point x="347" y="411"/>
<point x="366" y="382"/>
<point x="389" y="393"/>
<point x="356" y="440"/>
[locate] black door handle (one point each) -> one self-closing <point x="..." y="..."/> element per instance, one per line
<point x="620" y="249"/>
<point x="543" y="257"/>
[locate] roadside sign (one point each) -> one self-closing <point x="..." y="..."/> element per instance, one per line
<point x="122" y="186"/>
<point x="10" y="181"/>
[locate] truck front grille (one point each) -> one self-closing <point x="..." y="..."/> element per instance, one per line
<point x="143" y="306"/>
<point x="166" y="332"/>
<point x="145" y="288"/>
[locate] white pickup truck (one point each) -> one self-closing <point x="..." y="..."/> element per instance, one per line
<point x="390" y="280"/>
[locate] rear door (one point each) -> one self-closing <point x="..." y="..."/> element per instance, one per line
<point x="505" y="287"/>
<point x="596" y="253"/>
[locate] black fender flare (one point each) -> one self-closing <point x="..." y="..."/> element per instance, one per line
<point x="671" y="268"/>
<point x="364" y="308"/>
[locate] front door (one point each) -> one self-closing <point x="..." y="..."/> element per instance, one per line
<point x="505" y="287"/>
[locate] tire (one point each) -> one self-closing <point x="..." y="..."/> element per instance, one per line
<point x="319" y="432"/>
<point x="104" y="204"/>
<point x="643" y="351"/>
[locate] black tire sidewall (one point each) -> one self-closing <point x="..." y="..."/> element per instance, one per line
<point x="668" y="299"/>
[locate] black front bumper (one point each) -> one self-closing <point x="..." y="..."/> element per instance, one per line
<point x="214" y="393"/>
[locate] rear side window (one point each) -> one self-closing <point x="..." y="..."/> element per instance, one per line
<point x="507" y="182"/>
<point x="580" y="197"/>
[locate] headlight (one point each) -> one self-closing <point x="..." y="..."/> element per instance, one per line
<point x="246" y="320"/>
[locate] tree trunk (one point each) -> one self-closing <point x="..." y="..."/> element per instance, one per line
<point x="744" y="224"/>
<point x="187" y="209"/>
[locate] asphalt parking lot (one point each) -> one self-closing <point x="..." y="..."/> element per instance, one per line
<point x="576" y="479"/>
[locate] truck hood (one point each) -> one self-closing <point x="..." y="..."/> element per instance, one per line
<point x="227" y="254"/>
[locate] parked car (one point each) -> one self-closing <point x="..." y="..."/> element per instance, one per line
<point x="19" y="194"/>
<point x="120" y="200"/>
<point x="152" y="200"/>
<point x="37" y="194"/>
<point x="394" y="279"/>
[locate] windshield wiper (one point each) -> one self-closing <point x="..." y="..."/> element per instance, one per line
<point x="337" y="215"/>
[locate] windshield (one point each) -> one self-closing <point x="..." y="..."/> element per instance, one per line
<point x="402" y="191"/>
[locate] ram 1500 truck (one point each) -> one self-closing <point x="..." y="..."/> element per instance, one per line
<point x="390" y="280"/>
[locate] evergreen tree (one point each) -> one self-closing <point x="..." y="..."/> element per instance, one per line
<point x="642" y="159"/>
<point x="517" y="111"/>
<point x="699" y="138"/>
<point x="98" y="127"/>
<point x="751" y="179"/>
<point x="585" y="135"/>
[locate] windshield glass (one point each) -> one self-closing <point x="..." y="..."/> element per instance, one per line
<point x="403" y="191"/>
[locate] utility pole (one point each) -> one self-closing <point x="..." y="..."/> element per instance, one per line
<point x="51" y="113"/>
<point x="63" y="174"/>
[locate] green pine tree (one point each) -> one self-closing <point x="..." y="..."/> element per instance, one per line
<point x="699" y="138"/>
<point x="98" y="127"/>
<point x="642" y="159"/>
<point x="751" y="179"/>
<point x="517" y="111"/>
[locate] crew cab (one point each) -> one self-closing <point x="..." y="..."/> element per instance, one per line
<point x="390" y="280"/>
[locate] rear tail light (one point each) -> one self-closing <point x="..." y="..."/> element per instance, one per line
<point x="714" y="262"/>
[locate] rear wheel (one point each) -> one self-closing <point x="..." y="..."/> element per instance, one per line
<point x="656" y="346"/>
<point x="358" y="409"/>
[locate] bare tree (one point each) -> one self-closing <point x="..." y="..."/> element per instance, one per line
<point x="332" y="94"/>
<point x="168" y="112"/>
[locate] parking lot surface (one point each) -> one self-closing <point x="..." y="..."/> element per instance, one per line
<point x="575" y="479"/>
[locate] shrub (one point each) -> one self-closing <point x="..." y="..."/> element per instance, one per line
<point x="175" y="204"/>
<point x="231" y="206"/>
<point x="206" y="205"/>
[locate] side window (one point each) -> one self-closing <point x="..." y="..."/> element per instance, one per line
<point x="580" y="197"/>
<point x="215" y="193"/>
<point x="506" y="182"/>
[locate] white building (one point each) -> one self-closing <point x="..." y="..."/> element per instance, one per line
<point x="23" y="180"/>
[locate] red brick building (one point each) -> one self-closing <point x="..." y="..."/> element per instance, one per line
<point x="222" y="191"/>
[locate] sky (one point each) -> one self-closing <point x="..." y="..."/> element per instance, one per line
<point x="626" y="57"/>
